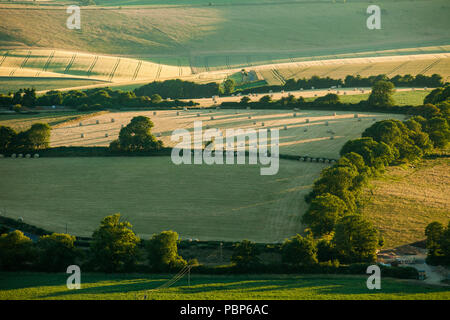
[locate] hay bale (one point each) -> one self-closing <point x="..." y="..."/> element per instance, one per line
<point x="13" y="155"/>
<point x="154" y="113"/>
<point x="306" y="129"/>
<point x="355" y="115"/>
<point x="97" y="121"/>
<point x="374" y="119"/>
<point x="20" y="219"/>
<point x="106" y="135"/>
<point x="254" y="122"/>
<point x="212" y="118"/>
<point x="359" y="119"/>
<point x="28" y="156"/>
<point x="248" y="108"/>
<point x="198" y="114"/>
<point x="307" y="120"/>
<point x="334" y="114"/>
<point x="262" y="124"/>
<point x="178" y="113"/>
<point x="285" y="127"/>
<point x="112" y="120"/>
<point x="80" y="124"/>
<point x="184" y="109"/>
<point x="326" y="123"/>
<point x="332" y="138"/>
<point x="20" y="155"/>
<point x="2" y="156"/>
<point x="36" y="155"/>
<point x="294" y="115"/>
<point x="82" y="135"/>
<point x="217" y="108"/>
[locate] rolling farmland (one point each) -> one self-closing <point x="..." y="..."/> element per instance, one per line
<point x="300" y="138"/>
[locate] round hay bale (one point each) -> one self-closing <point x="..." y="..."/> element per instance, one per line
<point x="294" y="115"/>
<point x="198" y="114"/>
<point x="249" y="117"/>
<point x="184" y="109"/>
<point x="2" y="156"/>
<point x="154" y="113"/>
<point x="248" y="108"/>
<point x="178" y="113"/>
<point x="374" y="119"/>
<point x="20" y="155"/>
<point x="332" y="138"/>
<point x="306" y="129"/>
<point x="97" y="121"/>
<point x="82" y="135"/>
<point x="217" y="108"/>
<point x="106" y="135"/>
<point x="254" y="122"/>
<point x="13" y="155"/>
<point x="326" y="123"/>
<point x="307" y="120"/>
<point x="20" y="219"/>
<point x="334" y="114"/>
<point x="355" y="115"/>
<point x="80" y="124"/>
<point x="359" y="119"/>
<point x="212" y="118"/>
<point x="112" y="120"/>
<point x="262" y="124"/>
<point x="285" y="127"/>
<point x="36" y="155"/>
<point x="28" y="156"/>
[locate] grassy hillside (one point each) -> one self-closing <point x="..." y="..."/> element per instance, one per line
<point x="219" y="35"/>
<point x="245" y="287"/>
<point x="404" y="200"/>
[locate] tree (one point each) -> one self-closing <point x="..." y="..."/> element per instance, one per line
<point x="323" y="213"/>
<point x="114" y="245"/>
<point x="29" y="97"/>
<point x="228" y="86"/>
<point x="137" y="136"/>
<point x="39" y="136"/>
<point x="163" y="251"/>
<point x="330" y="98"/>
<point x="56" y="252"/>
<point x="265" y="99"/>
<point x="7" y="136"/>
<point x="435" y="232"/>
<point x="299" y="250"/>
<point x="355" y="240"/>
<point x="16" y="251"/>
<point x="245" y="254"/>
<point x="381" y="95"/>
<point x="245" y="100"/>
<point x="325" y="251"/>
<point x="156" y="98"/>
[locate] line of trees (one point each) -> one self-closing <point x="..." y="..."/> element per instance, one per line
<point x="333" y="215"/>
<point x="92" y="99"/>
<point x="35" y="138"/>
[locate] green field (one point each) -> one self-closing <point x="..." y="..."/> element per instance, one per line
<point x="13" y="84"/>
<point x="245" y="287"/>
<point x="219" y="202"/>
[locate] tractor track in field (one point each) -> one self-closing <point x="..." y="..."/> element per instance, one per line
<point x="69" y="65"/>
<point x="93" y="63"/>
<point x="433" y="64"/>
<point x="47" y="63"/>
<point x="114" y="69"/>
<point x="136" y="71"/>
<point x="4" y="58"/>
<point x="397" y="68"/>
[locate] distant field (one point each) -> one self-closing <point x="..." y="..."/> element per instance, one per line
<point x="218" y="202"/>
<point x="246" y="287"/>
<point x="211" y="36"/>
<point x="11" y="84"/>
<point x="404" y="200"/>
<point x="316" y="141"/>
<point x="20" y="122"/>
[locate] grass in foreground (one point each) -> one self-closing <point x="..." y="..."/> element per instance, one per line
<point x="404" y="200"/>
<point x="277" y="287"/>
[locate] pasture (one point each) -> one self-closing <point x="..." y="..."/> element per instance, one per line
<point x="306" y="133"/>
<point x="404" y="200"/>
<point x="217" y="202"/>
<point x="242" y="287"/>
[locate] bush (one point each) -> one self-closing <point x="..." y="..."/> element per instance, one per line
<point x="299" y="250"/>
<point x="16" y="251"/>
<point x="56" y="252"/>
<point x="163" y="252"/>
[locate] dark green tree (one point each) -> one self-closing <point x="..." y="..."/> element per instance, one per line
<point x="381" y="95"/>
<point x="162" y="251"/>
<point x="245" y="254"/>
<point x="299" y="250"/>
<point x="56" y="252"/>
<point x="114" y="245"/>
